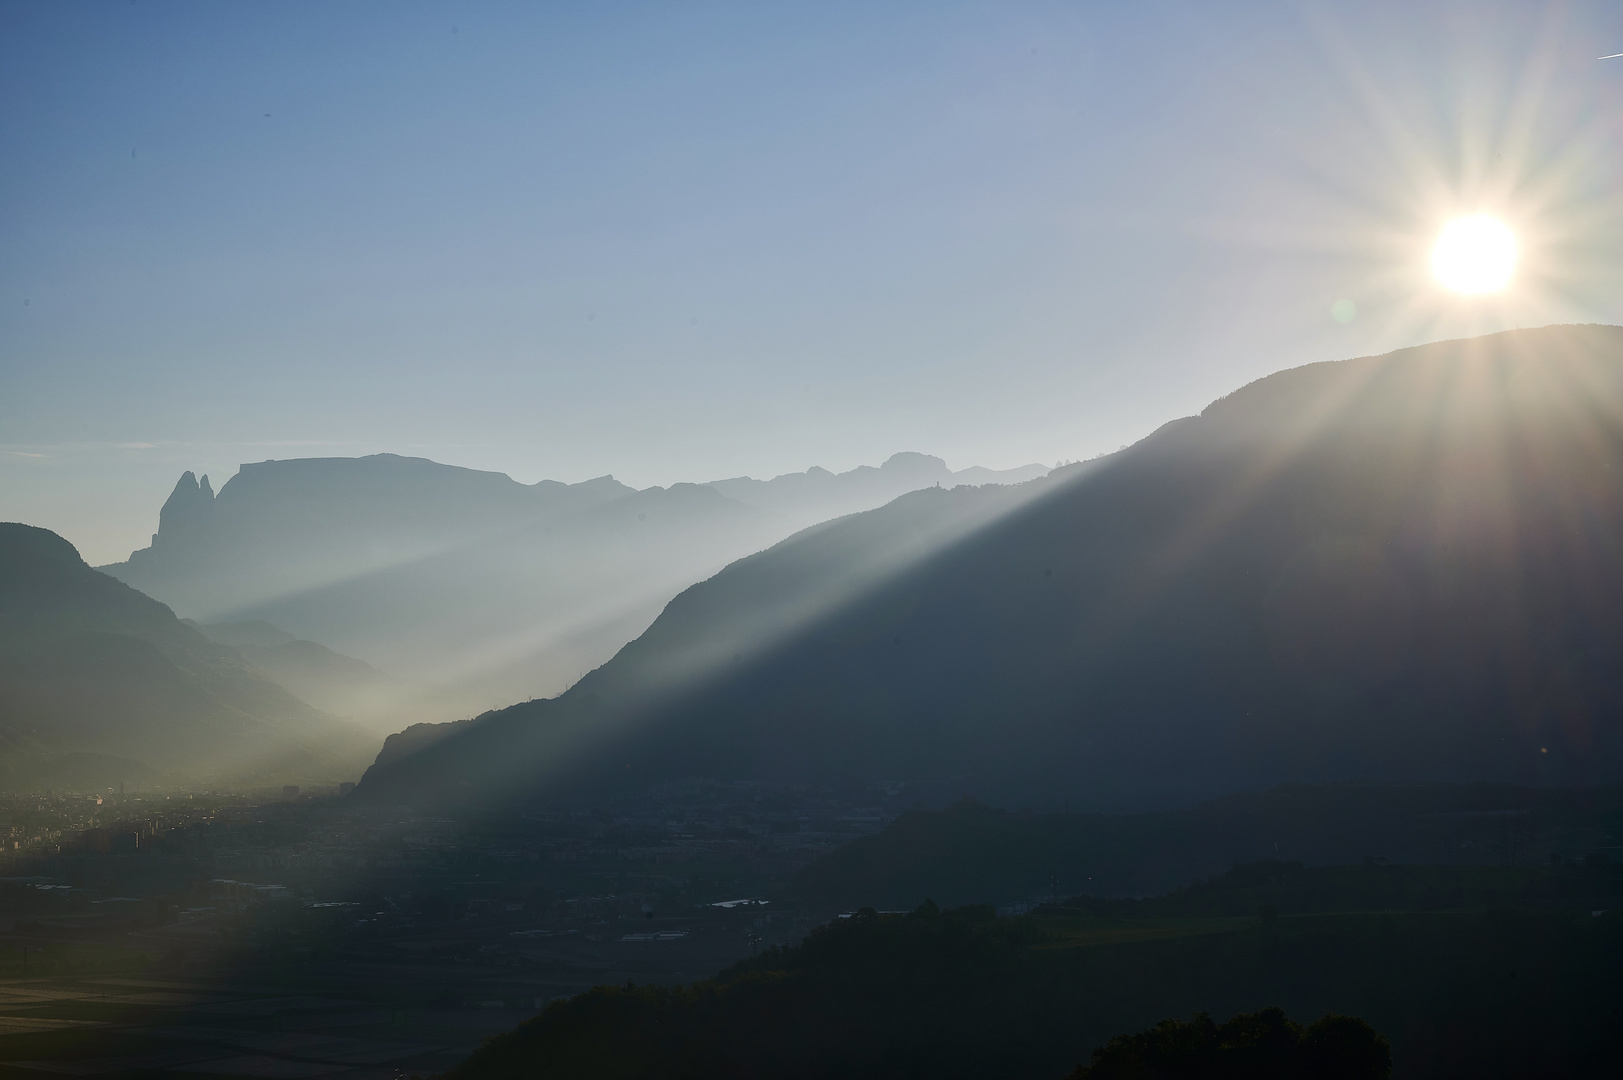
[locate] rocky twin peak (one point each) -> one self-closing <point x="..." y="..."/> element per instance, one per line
<point x="187" y="514"/>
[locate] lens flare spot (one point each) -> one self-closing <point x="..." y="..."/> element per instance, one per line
<point x="1474" y="255"/>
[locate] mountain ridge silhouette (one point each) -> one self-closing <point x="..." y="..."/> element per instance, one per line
<point x="1401" y="567"/>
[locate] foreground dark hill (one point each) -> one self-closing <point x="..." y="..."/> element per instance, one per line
<point x="468" y="588"/>
<point x="1406" y="567"/>
<point x="936" y="994"/>
<point x="98" y="681"/>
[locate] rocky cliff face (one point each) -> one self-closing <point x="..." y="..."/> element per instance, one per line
<point x="185" y="524"/>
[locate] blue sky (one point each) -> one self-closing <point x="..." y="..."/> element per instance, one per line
<point x="687" y="241"/>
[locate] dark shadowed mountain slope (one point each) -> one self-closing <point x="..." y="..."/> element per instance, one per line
<point x="90" y="666"/>
<point x="1399" y="567"/>
<point x="481" y="589"/>
<point x="963" y="995"/>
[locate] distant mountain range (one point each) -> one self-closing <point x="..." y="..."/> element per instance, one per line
<point x="100" y="685"/>
<point x="1405" y="567"/>
<point x="819" y="495"/>
<point x="467" y="589"/>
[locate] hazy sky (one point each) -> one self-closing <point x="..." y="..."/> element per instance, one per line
<point x="687" y="241"/>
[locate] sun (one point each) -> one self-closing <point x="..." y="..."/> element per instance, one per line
<point x="1474" y="255"/>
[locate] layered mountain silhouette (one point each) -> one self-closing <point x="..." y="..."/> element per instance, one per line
<point x="1405" y="567"/>
<point x="100" y="683"/>
<point x="482" y="590"/>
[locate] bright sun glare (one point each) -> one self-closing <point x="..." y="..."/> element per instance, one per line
<point x="1474" y="255"/>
